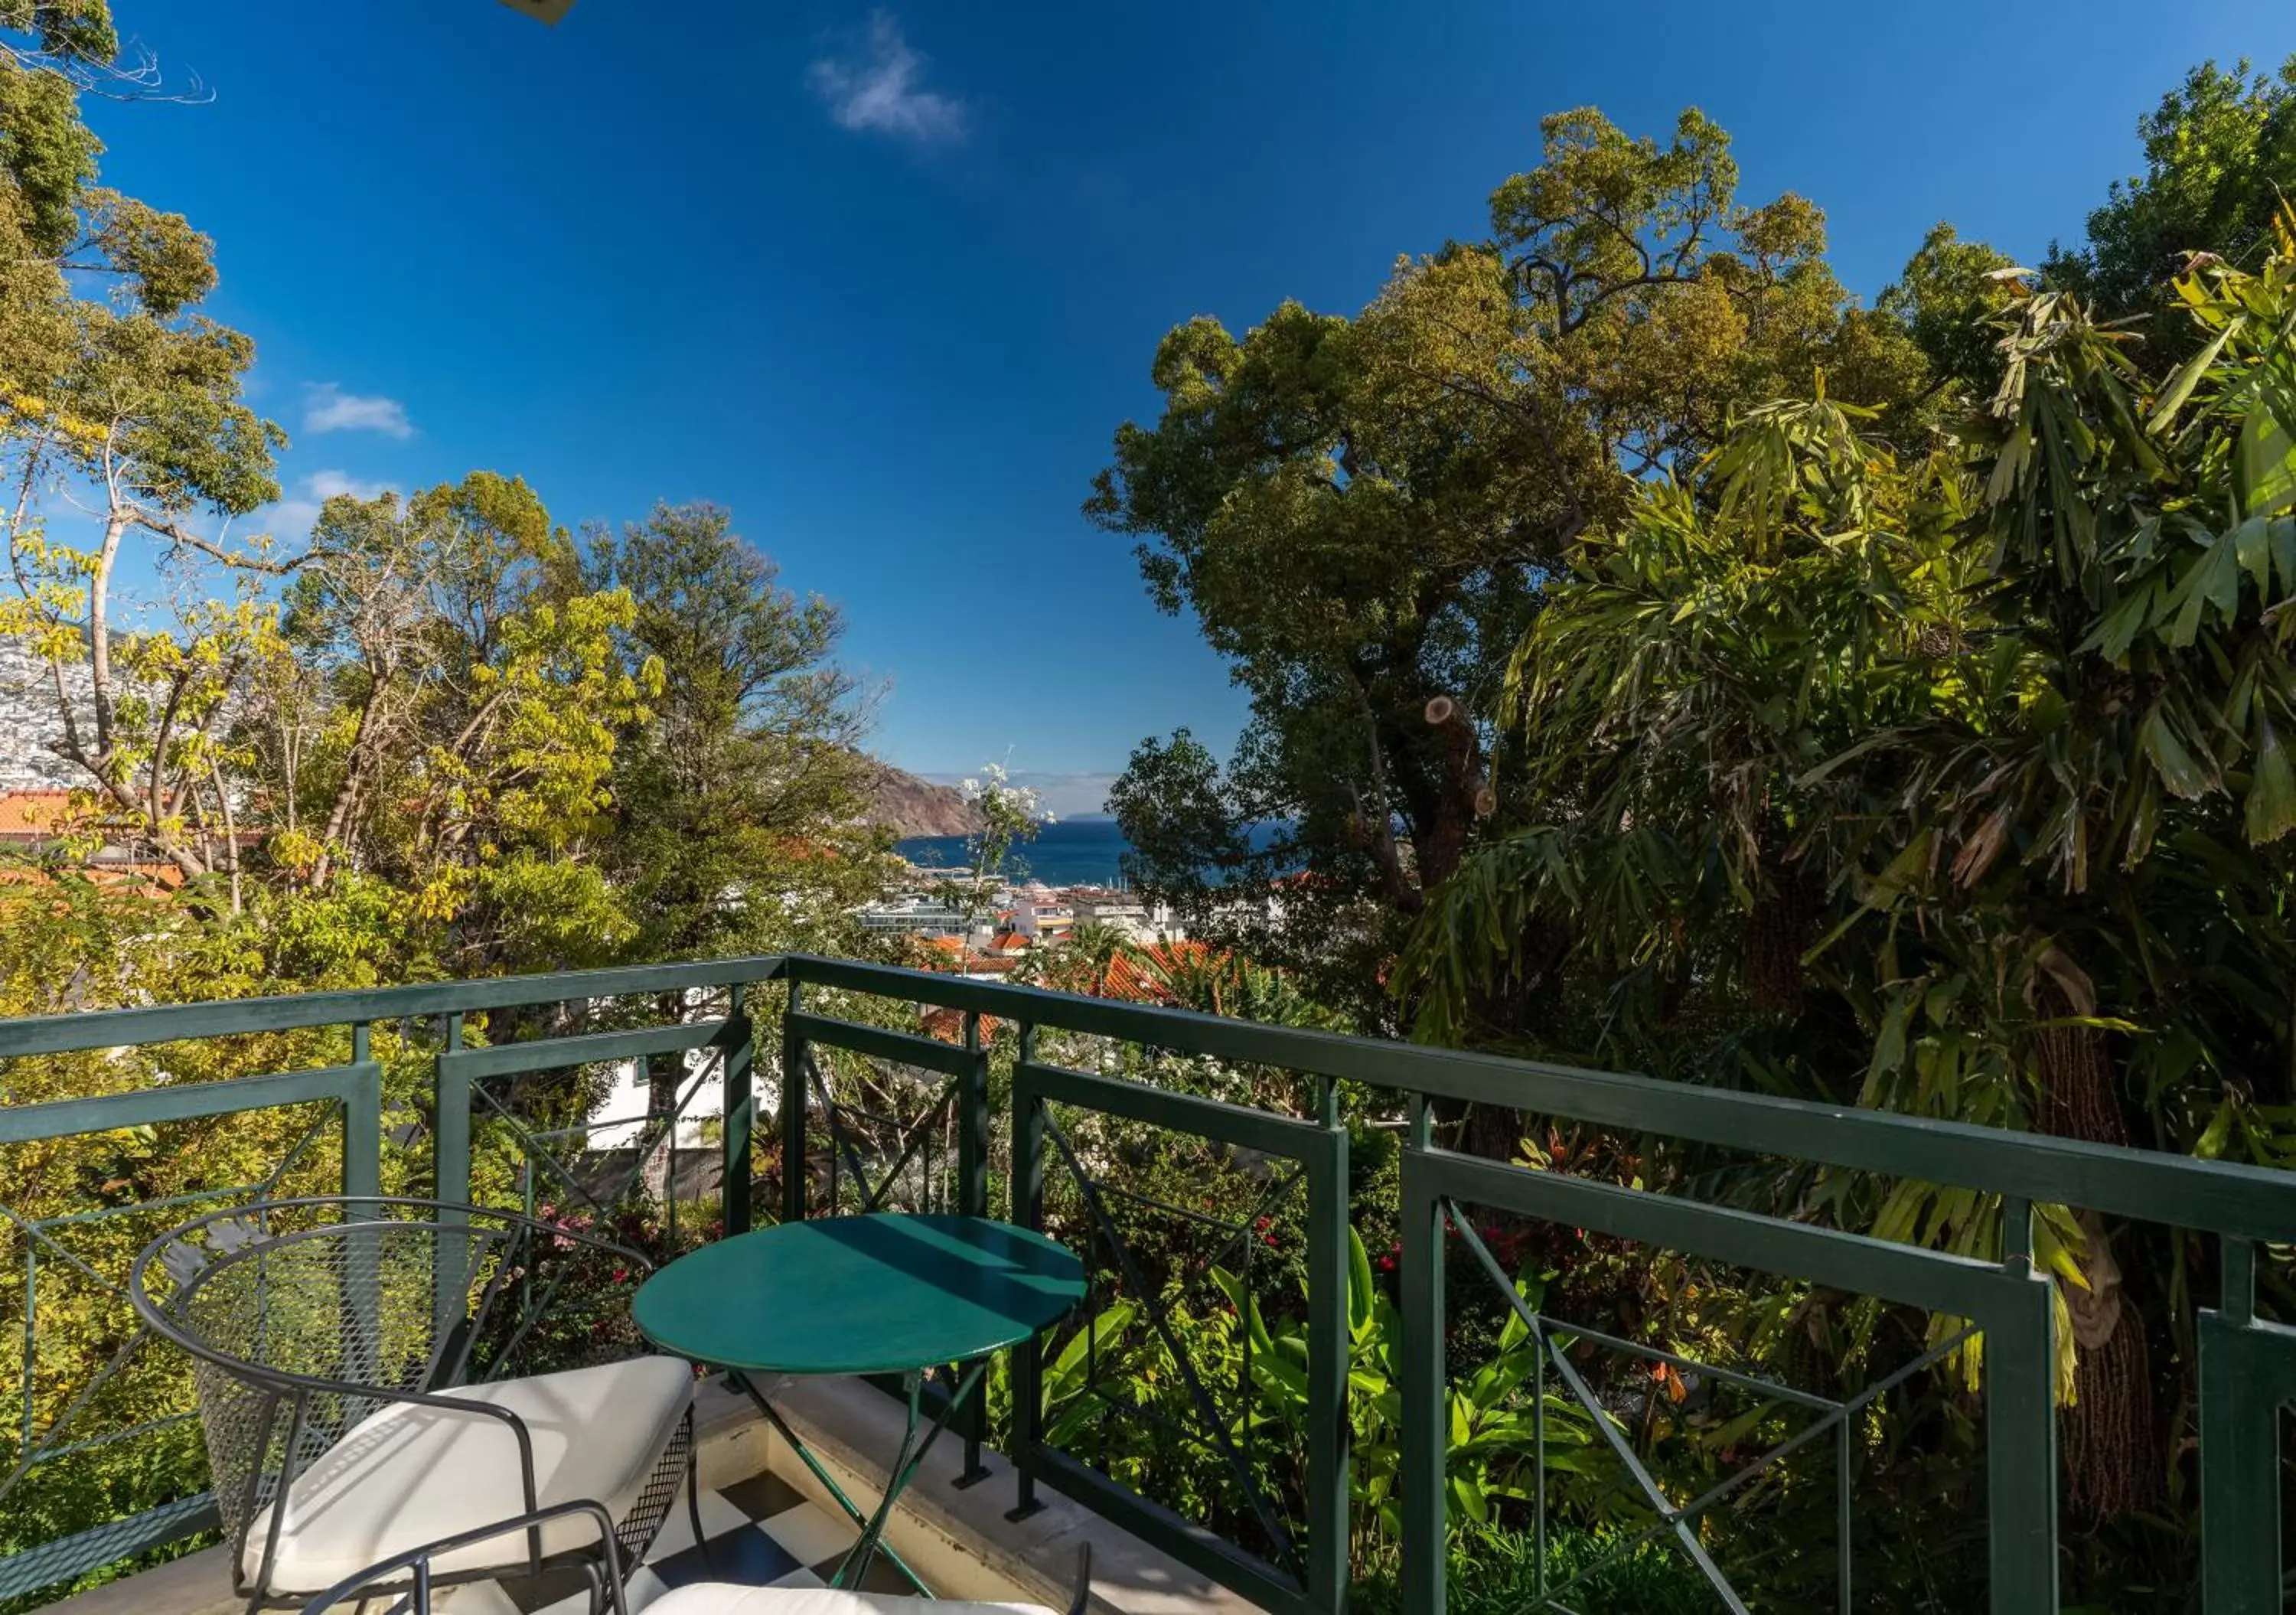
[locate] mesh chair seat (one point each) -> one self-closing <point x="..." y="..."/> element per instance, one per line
<point x="411" y="1474"/>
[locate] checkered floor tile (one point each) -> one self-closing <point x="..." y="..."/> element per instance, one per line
<point x="761" y="1532"/>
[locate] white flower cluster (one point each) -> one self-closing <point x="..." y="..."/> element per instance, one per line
<point x="995" y="788"/>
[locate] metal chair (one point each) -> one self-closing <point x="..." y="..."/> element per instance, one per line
<point x="373" y="1372"/>
<point x="412" y="1569"/>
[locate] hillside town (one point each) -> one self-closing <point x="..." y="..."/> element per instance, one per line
<point x="991" y="930"/>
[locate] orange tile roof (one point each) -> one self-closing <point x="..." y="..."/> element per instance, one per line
<point x="29" y="815"/>
<point x="947" y="1025"/>
<point x="1126" y="979"/>
<point x="166" y="877"/>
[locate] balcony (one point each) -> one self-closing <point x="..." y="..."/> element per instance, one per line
<point x="1255" y="1406"/>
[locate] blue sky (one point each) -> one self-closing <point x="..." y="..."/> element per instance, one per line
<point x="883" y="282"/>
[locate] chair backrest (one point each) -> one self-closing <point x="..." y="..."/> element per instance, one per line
<point x="303" y="1316"/>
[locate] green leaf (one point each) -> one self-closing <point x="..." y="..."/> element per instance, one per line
<point x="2264" y="467"/>
<point x="1361" y="1289"/>
<point x="2211" y="1142"/>
<point x="1289" y="1377"/>
<point x="2271" y="806"/>
<point x="1889" y="1046"/>
<point x="2181" y="387"/>
<point x="1738" y="1428"/>
<point x="2212" y="580"/>
<point x="2178" y="772"/>
<point x="2253" y="545"/>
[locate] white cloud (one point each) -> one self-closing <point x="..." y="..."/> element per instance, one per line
<point x="327" y="407"/>
<point x="325" y="485"/>
<point x="292" y="517"/>
<point x="878" y="89"/>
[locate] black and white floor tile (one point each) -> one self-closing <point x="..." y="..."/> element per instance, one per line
<point x="759" y="1532"/>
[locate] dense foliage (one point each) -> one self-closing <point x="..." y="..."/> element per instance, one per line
<point x="1359" y="512"/>
<point x="1894" y="712"/>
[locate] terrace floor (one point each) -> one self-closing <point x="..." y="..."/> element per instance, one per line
<point x="769" y="1522"/>
<point x="761" y="1531"/>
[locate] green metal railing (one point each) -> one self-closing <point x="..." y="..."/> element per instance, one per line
<point x="2247" y="1368"/>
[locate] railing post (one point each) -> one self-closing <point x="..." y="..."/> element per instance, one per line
<point x="792" y="1110"/>
<point x="973" y="1124"/>
<point x="362" y="1294"/>
<point x="740" y="1114"/>
<point x="450" y="1123"/>
<point x="450" y="1174"/>
<point x="362" y="1121"/>
<point x="2245" y="1371"/>
<point x="1330" y="1279"/>
<point x="2021" y="1447"/>
<point x="1029" y="1211"/>
<point x="1425" y="1492"/>
<point x="972" y="1200"/>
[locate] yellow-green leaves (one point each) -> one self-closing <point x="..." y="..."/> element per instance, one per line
<point x="2188" y="376"/>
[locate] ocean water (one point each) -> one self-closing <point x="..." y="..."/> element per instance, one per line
<point x="1069" y="852"/>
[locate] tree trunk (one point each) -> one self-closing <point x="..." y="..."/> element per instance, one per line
<point x="1779" y="931"/>
<point x="1459" y="792"/>
<point x="664" y="1073"/>
<point x="347" y="794"/>
<point x="2108" y="1436"/>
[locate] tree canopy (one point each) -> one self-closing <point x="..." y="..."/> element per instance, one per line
<point x="1361" y="513"/>
<point x="2219" y="156"/>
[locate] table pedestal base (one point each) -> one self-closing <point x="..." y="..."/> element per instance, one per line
<point x="906" y="1462"/>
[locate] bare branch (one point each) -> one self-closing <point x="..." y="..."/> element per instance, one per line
<point x="134" y="75"/>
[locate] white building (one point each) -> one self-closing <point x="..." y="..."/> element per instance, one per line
<point x="618" y="1121"/>
<point x="1141" y="923"/>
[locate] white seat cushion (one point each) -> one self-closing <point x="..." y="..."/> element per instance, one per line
<point x="720" y="1598"/>
<point x="411" y="1474"/>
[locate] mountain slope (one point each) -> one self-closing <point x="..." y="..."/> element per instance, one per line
<point x="908" y="805"/>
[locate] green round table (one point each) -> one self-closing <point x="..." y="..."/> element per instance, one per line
<point x="886" y="1294"/>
